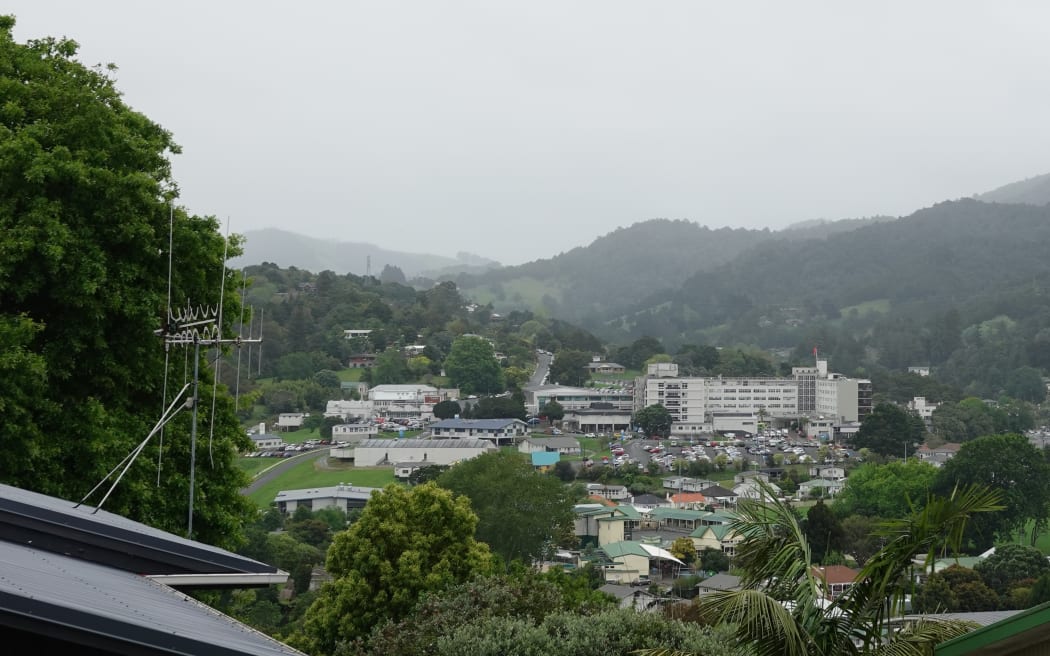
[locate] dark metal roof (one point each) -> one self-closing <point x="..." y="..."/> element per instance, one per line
<point x="59" y="526"/>
<point x="74" y="603"/>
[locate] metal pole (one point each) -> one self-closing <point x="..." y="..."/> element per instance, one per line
<point x="193" y="434"/>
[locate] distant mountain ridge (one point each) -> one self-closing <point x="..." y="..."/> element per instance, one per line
<point x="1031" y="191"/>
<point x="286" y="249"/>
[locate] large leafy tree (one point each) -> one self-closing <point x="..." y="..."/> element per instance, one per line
<point x="890" y="431"/>
<point x="405" y="543"/>
<point x="521" y="512"/>
<point x="1009" y="463"/>
<point x="86" y="201"/>
<point x="570" y="367"/>
<point x="472" y="366"/>
<point x="1010" y="565"/>
<point x="655" y="420"/>
<point x="823" y="532"/>
<point x="885" y="490"/>
<point x="775" y="559"/>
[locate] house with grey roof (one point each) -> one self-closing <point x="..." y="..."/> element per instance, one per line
<point x="498" y="431"/>
<point x="342" y="496"/>
<point x="566" y="446"/>
<point x="80" y="580"/>
<point x="718" y="583"/>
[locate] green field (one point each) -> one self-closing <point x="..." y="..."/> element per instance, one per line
<point x="308" y="474"/>
<point x="352" y="374"/>
<point x="255" y="465"/>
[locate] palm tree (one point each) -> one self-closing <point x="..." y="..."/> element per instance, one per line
<point x="783" y="610"/>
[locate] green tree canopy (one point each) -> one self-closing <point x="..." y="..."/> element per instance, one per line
<point x="570" y="367"/>
<point x="552" y="410"/>
<point x="521" y="512"/>
<point x="823" y="531"/>
<point x="86" y="200"/>
<point x="890" y="431"/>
<point x="390" y="368"/>
<point x="472" y="366"/>
<point x="1011" y="564"/>
<point x="405" y="543"/>
<point x="1009" y="463"/>
<point x="499" y="407"/>
<point x="446" y="409"/>
<point x="877" y="490"/>
<point x="654" y="420"/>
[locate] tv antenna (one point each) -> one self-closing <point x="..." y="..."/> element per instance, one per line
<point x="199" y="325"/>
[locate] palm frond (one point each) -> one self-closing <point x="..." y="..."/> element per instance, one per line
<point x="919" y="637"/>
<point x="762" y="621"/>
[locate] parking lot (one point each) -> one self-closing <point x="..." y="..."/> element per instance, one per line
<point x="669" y="453"/>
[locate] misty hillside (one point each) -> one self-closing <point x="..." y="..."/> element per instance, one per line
<point x="591" y="282"/>
<point x="943" y="256"/>
<point x="1033" y="191"/>
<point x="287" y="249"/>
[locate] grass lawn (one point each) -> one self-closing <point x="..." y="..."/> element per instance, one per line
<point x="308" y="474"/>
<point x="254" y="465"/>
<point x="300" y="436"/>
<point x="351" y="374"/>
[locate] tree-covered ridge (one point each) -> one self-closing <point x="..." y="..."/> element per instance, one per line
<point x="86" y="200"/>
<point x="602" y="279"/>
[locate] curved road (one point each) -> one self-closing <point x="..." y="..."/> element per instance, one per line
<point x="278" y="468"/>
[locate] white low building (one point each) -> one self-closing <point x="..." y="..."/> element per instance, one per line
<point x="499" y="431"/>
<point x="387" y="453"/>
<point x="354" y="433"/>
<point x="264" y="441"/>
<point x="340" y="496"/>
<point x="290" y="421"/>
<point x="566" y="446"/>
<point x="347" y="409"/>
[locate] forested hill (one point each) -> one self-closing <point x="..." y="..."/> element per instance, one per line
<point x="592" y="282"/>
<point x="1033" y="191"/>
<point x="951" y="254"/>
<point x="287" y="249"/>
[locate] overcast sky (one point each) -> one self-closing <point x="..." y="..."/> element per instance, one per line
<point x="518" y="130"/>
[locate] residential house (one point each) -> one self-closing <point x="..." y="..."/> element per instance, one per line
<point x="596" y="524"/>
<point x="614" y="492"/>
<point x="715" y="536"/>
<point x="79" y="580"/>
<point x="750" y="489"/>
<point x="720" y="495"/>
<point x="631" y="596"/>
<point x="605" y="368"/>
<point x="566" y="446"/>
<point x="718" y="583"/>
<point x="632" y="559"/>
<point x="686" y="484"/>
<point x="649" y="502"/>
<point x="938" y="455"/>
<point x="835" y="579"/>
<point x="828" y="472"/>
<point x="362" y="361"/>
<point x="819" y="488"/>
<point x="688" y="500"/>
<point x="745" y="476"/>
<point x="498" y="431"/>
<point x="675" y="519"/>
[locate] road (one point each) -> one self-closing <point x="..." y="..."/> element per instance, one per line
<point x="280" y="466"/>
<point x="543" y="367"/>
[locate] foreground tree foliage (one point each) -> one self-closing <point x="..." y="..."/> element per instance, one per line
<point x="521" y="512"/>
<point x="1009" y="463"/>
<point x="86" y="198"/>
<point x="782" y="608"/>
<point x="406" y="542"/>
